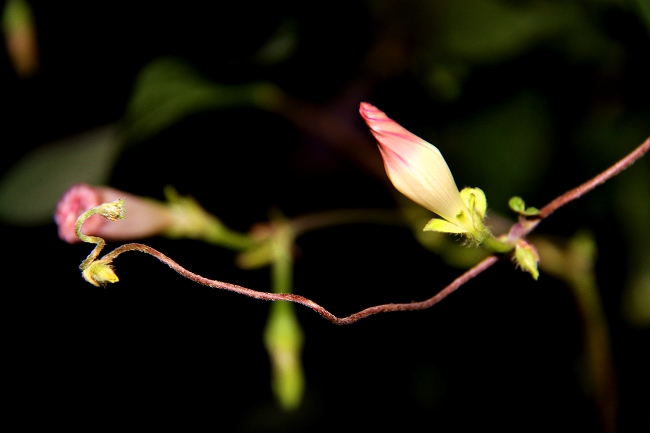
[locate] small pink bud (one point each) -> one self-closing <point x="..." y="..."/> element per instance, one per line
<point x="145" y="217"/>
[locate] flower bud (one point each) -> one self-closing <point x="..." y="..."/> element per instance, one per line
<point x="99" y="273"/>
<point x="418" y="170"/>
<point x="526" y="258"/>
<point x="113" y="211"/>
<point x="283" y="338"/>
<point x="146" y="217"/>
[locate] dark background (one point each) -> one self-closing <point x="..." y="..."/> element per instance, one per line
<point x="504" y="351"/>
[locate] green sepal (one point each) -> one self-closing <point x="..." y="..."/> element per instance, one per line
<point x="518" y="205"/>
<point x="475" y="200"/>
<point x="444" y="226"/>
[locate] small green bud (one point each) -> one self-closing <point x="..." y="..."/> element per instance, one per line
<point x="99" y="273"/>
<point x="475" y="199"/>
<point x="283" y="338"/>
<point x="113" y="211"/>
<point x="526" y="258"/>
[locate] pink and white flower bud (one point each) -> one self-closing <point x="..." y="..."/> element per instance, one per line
<point x="146" y="217"/>
<point x="417" y="169"/>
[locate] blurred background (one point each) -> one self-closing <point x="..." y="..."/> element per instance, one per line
<point x="251" y="107"/>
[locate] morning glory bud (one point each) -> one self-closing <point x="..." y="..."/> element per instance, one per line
<point x="418" y="170"/>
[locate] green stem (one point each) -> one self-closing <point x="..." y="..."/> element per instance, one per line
<point x="100" y="243"/>
<point x="217" y="233"/>
<point x="194" y="222"/>
<point x="597" y="346"/>
<point x="497" y="246"/>
<point x="574" y="264"/>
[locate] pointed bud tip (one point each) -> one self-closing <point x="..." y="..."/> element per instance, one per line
<point x="365" y="106"/>
<point x="370" y="113"/>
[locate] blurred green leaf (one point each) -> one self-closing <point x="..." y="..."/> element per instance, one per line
<point x="168" y="90"/>
<point x="16" y="14"/>
<point x="461" y="34"/>
<point x="281" y="45"/>
<point x="489" y="31"/>
<point x="20" y="40"/>
<point x="30" y="190"/>
<point x="637" y="298"/>
<point x="644" y="12"/>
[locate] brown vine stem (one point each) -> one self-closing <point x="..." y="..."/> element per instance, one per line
<point x="527" y="225"/>
<point x="520" y="229"/>
<point x="593" y="183"/>
<point x="268" y="296"/>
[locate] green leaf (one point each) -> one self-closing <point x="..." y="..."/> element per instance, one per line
<point x="530" y="211"/>
<point x="168" y="90"/>
<point x="491" y="30"/>
<point x="16" y="14"/>
<point x="30" y="190"/>
<point x="644" y="12"/>
<point x="281" y="46"/>
<point x="517" y="204"/>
